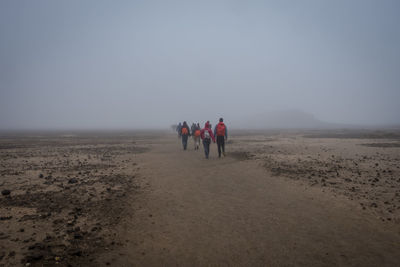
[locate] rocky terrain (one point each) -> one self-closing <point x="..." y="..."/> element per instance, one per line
<point x="62" y="195"/>
<point x="98" y="199"/>
<point x="362" y="165"/>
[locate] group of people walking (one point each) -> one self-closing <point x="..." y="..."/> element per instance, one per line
<point x="220" y="135"/>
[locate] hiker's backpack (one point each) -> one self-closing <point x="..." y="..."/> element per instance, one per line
<point x="206" y="134"/>
<point x="184" y="131"/>
<point x="197" y="133"/>
<point x="221" y="129"/>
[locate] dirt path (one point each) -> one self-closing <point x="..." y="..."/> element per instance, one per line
<point x="226" y="212"/>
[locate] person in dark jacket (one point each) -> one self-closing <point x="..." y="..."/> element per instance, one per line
<point x="185" y="133"/>
<point x="207" y="135"/>
<point x="221" y="132"/>
<point x="192" y="128"/>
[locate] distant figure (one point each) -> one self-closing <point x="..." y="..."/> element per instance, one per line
<point x="179" y="129"/>
<point x="221" y="132"/>
<point x="185" y="133"/>
<point x="206" y="135"/>
<point x="196" y="136"/>
<point x="192" y="128"/>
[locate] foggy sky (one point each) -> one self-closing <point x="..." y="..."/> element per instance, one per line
<point x="136" y="64"/>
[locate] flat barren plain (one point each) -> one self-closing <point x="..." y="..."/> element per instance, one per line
<point x="278" y="198"/>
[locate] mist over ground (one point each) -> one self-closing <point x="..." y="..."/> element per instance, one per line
<point x="149" y="64"/>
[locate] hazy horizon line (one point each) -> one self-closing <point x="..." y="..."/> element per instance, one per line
<point x="168" y="128"/>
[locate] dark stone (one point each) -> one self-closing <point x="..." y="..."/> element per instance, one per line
<point x="72" y="181"/>
<point x="76" y="253"/>
<point x="78" y="236"/>
<point x="57" y="221"/>
<point x="37" y="246"/>
<point x="5" y="192"/>
<point x="34" y="257"/>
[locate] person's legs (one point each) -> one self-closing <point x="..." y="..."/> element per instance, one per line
<point x="184" y="141"/>
<point x="223" y="145"/>
<point x="206" y="145"/>
<point x="219" y="144"/>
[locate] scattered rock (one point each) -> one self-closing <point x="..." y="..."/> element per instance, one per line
<point x="76" y="252"/>
<point x="72" y="181"/>
<point x="36" y="256"/>
<point x="78" y="236"/>
<point x="5" y="192"/>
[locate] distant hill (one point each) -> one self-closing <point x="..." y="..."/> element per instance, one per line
<point x="283" y="119"/>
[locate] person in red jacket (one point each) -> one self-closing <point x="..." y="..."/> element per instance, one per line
<point x="207" y="135"/>
<point x="221" y="132"/>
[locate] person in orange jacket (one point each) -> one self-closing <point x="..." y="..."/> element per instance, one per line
<point x="185" y="132"/>
<point x="196" y="136"/>
<point x="221" y="132"/>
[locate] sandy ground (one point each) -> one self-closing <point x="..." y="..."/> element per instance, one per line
<point x="138" y="199"/>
